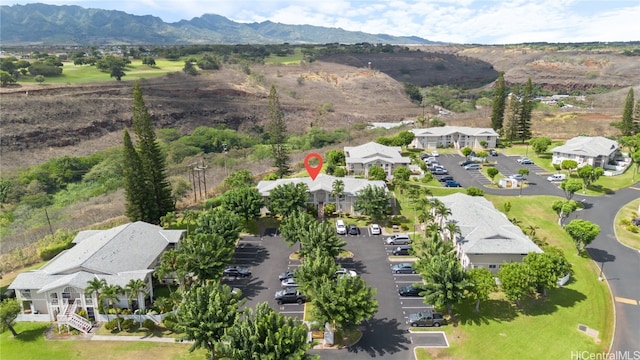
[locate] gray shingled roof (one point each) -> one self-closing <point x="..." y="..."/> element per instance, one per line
<point x="352" y="186"/>
<point x="484" y="229"/>
<point x="372" y="151"/>
<point x="449" y="130"/>
<point x="118" y="255"/>
<point x="132" y="246"/>
<point x="588" y="146"/>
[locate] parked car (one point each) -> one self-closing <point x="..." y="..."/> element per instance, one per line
<point x="440" y="171"/>
<point x="452" y="183"/>
<point x="403" y="268"/>
<point x="525" y="161"/>
<point x="236" y="271"/>
<point x="353" y="230"/>
<point x="375" y="229"/>
<point x="402" y="250"/>
<point x="398" y="239"/>
<point x="431" y="160"/>
<point x="345" y="272"/>
<point x="518" y="177"/>
<point x="424" y="156"/>
<point x="520" y="160"/>
<point x="446" y="178"/>
<point x="435" y="153"/>
<point x="426" y="318"/>
<point x="341" y="228"/>
<point x="288" y="296"/>
<point x="285" y="275"/>
<point x="472" y="167"/>
<point x="466" y="162"/>
<point x="493" y="152"/>
<point x="409" y="290"/>
<point x="289" y="283"/>
<point x="557" y="177"/>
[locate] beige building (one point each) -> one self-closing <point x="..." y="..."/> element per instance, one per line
<point x="455" y="136"/>
<point x="360" y="158"/>
<point x="596" y="151"/>
<point x="487" y="238"/>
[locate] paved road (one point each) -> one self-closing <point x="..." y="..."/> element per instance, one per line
<point x="620" y="264"/>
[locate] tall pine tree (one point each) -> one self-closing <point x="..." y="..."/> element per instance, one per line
<point x="628" y="127"/>
<point x="134" y="180"/>
<point x="513" y="116"/>
<point x="278" y="135"/>
<point x="499" y="103"/>
<point x="526" y="107"/>
<point x="153" y="195"/>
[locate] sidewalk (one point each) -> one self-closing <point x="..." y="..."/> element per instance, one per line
<point x="133" y="338"/>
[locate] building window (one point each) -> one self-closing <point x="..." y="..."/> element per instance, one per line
<point x="492" y="266"/>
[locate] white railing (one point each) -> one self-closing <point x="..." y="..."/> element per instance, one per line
<point x="69" y="317"/>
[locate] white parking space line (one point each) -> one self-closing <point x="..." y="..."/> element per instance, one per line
<point x="405" y="282"/>
<point x="291" y="312"/>
<point x="250" y="241"/>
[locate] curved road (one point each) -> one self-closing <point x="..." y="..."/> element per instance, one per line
<point x="620" y="265"/>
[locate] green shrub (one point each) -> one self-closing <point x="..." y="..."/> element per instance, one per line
<point x="626" y="222"/>
<point x="170" y="322"/>
<point x="148" y="324"/>
<point x="49" y="252"/>
<point x="632" y="228"/>
<point x="474" y="191"/>
<point x="329" y="209"/>
<point x="128" y="324"/>
<point x="213" y="202"/>
<point x="111" y="324"/>
<point x="557" y="166"/>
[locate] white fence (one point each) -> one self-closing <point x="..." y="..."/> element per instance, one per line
<point x="156" y="318"/>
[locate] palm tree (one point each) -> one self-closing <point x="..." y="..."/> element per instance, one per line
<point x="110" y="294"/>
<point x="337" y="191"/>
<point x="189" y="217"/>
<point x="441" y="211"/>
<point x="531" y="229"/>
<point x="134" y="288"/>
<point x="452" y="229"/>
<point x="96" y="286"/>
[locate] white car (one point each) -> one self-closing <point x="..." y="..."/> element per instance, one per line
<point x="289" y="283"/>
<point x="435" y="153"/>
<point x="375" y="229"/>
<point x="518" y="177"/>
<point x="345" y="272"/>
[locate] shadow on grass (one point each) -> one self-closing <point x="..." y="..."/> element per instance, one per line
<point x="495" y="310"/>
<point x="381" y="337"/>
<point x="31" y="335"/>
<point x="600" y="189"/>
<point x="559" y="297"/>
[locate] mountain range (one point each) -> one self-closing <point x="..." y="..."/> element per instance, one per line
<point x="40" y="24"/>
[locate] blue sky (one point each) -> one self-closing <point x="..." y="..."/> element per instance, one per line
<point x="459" y="21"/>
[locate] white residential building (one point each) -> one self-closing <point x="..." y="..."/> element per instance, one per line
<point x="487" y="238"/>
<point x="320" y="190"/>
<point x="360" y="158"/>
<point x="456" y="136"/>
<point x="117" y="255"/>
<point x="596" y="151"/>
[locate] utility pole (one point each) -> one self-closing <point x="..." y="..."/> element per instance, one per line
<point x="193" y="180"/>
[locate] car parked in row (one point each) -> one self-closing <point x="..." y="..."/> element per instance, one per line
<point x="345" y="272"/>
<point x="375" y="229"/>
<point x="452" y="183"/>
<point x="426" y="318"/>
<point x="288" y="296"/>
<point x="493" y="152"/>
<point x="466" y="162"/>
<point x="341" y="228"/>
<point x="289" y="283"/>
<point x="402" y="250"/>
<point x="236" y="271"/>
<point x="398" y="239"/>
<point x="403" y="268"/>
<point x="410" y="290"/>
<point x="285" y="275"/>
<point x="353" y="230"/>
<point x="472" y="167"/>
<point x="445" y="178"/>
<point x="518" y="177"/>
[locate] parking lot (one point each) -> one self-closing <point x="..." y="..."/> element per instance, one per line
<point x="385" y="335"/>
<point x="507" y="165"/>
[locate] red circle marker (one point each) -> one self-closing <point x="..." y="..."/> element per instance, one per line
<point x="311" y="170"/>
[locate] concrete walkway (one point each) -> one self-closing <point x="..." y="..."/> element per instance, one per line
<point x="133" y="338"/>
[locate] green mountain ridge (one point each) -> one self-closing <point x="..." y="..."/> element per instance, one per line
<point x="35" y="24"/>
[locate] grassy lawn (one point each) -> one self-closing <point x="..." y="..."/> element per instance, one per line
<point x="32" y="345"/>
<point x="625" y="236"/>
<point x="292" y="59"/>
<point x="158" y="331"/>
<point x="76" y="74"/>
<point x="8" y="278"/>
<point x="505" y="332"/>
